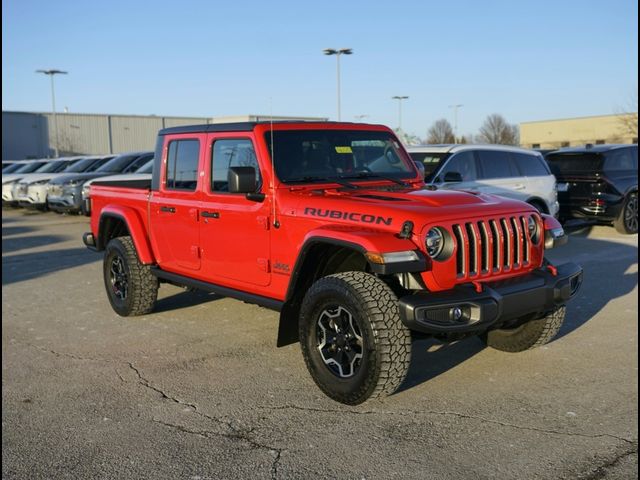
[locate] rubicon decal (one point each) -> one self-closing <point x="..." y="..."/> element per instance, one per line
<point x="353" y="216"/>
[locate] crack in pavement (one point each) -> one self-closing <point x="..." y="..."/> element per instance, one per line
<point x="453" y="414"/>
<point x="63" y="354"/>
<point x="233" y="434"/>
<point x="601" y="471"/>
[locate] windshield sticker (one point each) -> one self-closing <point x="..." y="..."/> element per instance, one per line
<point x="344" y="150"/>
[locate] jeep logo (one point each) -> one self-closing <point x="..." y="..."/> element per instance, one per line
<point x="353" y="216"/>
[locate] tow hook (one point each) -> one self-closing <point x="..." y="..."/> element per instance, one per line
<point x="477" y="286"/>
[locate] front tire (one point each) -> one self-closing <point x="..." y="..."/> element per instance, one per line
<point x="627" y="221"/>
<point x="131" y="288"/>
<point x="353" y="342"/>
<point x="531" y="334"/>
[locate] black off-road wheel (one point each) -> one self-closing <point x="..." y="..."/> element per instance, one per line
<point x="627" y="221"/>
<point x="531" y="334"/>
<point x="131" y="288"/>
<point x="353" y="341"/>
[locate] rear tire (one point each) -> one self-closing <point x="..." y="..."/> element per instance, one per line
<point x="529" y="335"/>
<point x="353" y="342"/>
<point x="627" y="221"/>
<point x="131" y="288"/>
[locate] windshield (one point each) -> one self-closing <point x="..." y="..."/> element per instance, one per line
<point x="323" y="155"/>
<point x="146" y="168"/>
<point x="12" y="168"/>
<point x="85" y="165"/>
<point x="563" y="163"/>
<point x="30" y="167"/>
<point x="431" y="162"/>
<point x="53" y="167"/>
<point x="117" y="164"/>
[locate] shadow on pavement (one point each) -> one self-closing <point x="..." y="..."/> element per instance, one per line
<point x="8" y="231"/>
<point x="27" y="266"/>
<point x="22" y="243"/>
<point x="184" y="299"/>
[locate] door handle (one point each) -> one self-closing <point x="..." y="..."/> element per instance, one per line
<point x="168" y="209"/>
<point x="211" y="214"/>
<point x="519" y="186"/>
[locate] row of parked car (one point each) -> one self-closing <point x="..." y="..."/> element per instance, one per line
<point x="63" y="184"/>
<point x="592" y="182"/>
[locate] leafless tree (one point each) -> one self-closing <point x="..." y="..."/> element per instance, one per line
<point x="440" y="132"/>
<point x="497" y="130"/>
<point x="628" y="116"/>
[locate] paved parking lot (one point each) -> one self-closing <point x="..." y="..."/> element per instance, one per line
<point x="198" y="390"/>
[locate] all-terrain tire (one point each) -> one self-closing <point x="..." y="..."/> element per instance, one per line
<point x="529" y="335"/>
<point x="132" y="290"/>
<point x="627" y="221"/>
<point x="385" y="341"/>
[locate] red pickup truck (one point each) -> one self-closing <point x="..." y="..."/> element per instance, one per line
<point x="331" y="225"/>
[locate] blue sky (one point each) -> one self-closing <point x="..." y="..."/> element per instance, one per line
<point x="528" y="60"/>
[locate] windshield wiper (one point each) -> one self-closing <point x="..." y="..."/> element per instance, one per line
<point x="364" y="175"/>
<point x="309" y="179"/>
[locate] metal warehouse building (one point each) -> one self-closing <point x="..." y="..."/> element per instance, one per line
<point x="32" y="134"/>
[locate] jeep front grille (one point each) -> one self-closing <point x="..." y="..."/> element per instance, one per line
<point x="491" y="246"/>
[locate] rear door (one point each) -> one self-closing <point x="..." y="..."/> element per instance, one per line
<point x="234" y="231"/>
<point x="498" y="175"/>
<point x="173" y="214"/>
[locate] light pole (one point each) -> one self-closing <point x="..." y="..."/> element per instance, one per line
<point x="337" y="53"/>
<point x="455" y="121"/>
<point x="400" y="98"/>
<point x="51" y="73"/>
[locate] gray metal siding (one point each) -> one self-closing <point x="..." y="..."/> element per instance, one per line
<point x="80" y="134"/>
<point x="24" y="135"/>
<point x="134" y="133"/>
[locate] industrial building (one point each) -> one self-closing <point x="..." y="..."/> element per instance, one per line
<point x="569" y="132"/>
<point x="33" y="134"/>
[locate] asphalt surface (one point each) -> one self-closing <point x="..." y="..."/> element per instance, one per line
<point x="198" y="390"/>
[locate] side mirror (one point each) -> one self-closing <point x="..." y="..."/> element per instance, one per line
<point x="242" y="180"/>
<point x="420" y="167"/>
<point x="452" y="177"/>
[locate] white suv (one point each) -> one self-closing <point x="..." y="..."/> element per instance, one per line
<point x="507" y="171"/>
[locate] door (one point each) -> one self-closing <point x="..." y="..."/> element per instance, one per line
<point x="234" y="231"/>
<point x="499" y="176"/>
<point x="174" y="209"/>
<point x="463" y="163"/>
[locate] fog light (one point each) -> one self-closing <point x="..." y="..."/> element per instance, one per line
<point x="456" y="313"/>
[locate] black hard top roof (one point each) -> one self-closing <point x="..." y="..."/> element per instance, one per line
<point x="240" y="126"/>
<point x="593" y="149"/>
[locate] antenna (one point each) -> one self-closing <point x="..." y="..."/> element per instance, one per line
<point x="276" y="223"/>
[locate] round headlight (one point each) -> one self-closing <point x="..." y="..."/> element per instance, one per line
<point x="434" y="242"/>
<point x="532" y="226"/>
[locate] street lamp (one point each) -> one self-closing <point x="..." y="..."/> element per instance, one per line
<point x="400" y="98"/>
<point x="51" y="73"/>
<point x="337" y="53"/>
<point x="455" y="121"/>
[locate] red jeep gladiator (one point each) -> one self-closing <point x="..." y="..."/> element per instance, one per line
<point x="331" y="225"/>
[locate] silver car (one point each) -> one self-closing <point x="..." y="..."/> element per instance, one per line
<point x="506" y="171"/>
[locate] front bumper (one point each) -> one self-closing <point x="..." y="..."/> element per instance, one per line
<point x="464" y="310"/>
<point x="66" y="199"/>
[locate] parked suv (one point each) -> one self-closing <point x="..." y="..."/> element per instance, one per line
<point x="598" y="183"/>
<point x="507" y="171"/>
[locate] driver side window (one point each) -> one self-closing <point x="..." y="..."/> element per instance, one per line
<point x="463" y="163"/>
<point x="236" y="152"/>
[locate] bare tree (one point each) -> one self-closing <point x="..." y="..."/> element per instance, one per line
<point x="497" y="130"/>
<point x="628" y="116"/>
<point x="440" y="132"/>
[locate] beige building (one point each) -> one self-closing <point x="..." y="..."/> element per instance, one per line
<point x="570" y="132"/>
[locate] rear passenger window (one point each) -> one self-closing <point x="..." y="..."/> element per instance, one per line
<point x="237" y="152"/>
<point x="463" y="163"/>
<point x="530" y="165"/>
<point x="619" y="159"/>
<point x="495" y="164"/>
<point x="182" y="165"/>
